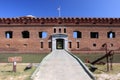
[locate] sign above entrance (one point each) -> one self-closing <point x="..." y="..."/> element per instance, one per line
<point x="59" y="35"/>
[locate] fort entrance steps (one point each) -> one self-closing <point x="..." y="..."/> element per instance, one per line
<point x="60" y="65"/>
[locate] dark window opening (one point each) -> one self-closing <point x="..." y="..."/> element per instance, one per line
<point x="77" y="34"/>
<point x="70" y="44"/>
<point x="94" y="34"/>
<point x="64" y="30"/>
<point x="111" y="34"/>
<point x="54" y="30"/>
<point x="25" y="34"/>
<point x="59" y="30"/>
<point x="8" y="34"/>
<point x="42" y="34"/>
<point x="41" y="43"/>
<point x="78" y="45"/>
<point x="94" y="45"/>
<point x="50" y="44"/>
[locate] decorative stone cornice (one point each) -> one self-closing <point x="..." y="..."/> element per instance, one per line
<point x="33" y="20"/>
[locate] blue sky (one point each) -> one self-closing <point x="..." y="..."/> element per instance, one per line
<point x="69" y="8"/>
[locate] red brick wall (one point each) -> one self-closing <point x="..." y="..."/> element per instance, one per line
<point x="17" y="44"/>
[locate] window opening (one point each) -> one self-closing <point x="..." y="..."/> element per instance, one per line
<point x="8" y="34"/>
<point x="94" y="34"/>
<point x="78" y="45"/>
<point x="42" y="34"/>
<point x="25" y="34"/>
<point x="64" y="30"/>
<point x="77" y="34"/>
<point x="54" y="30"/>
<point x="111" y="34"/>
<point x="59" y="30"/>
<point x="94" y="45"/>
<point x="50" y="44"/>
<point x="70" y="44"/>
<point x="41" y="44"/>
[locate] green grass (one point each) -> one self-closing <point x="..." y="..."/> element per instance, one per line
<point x="94" y="56"/>
<point x="26" y="58"/>
<point x="36" y="58"/>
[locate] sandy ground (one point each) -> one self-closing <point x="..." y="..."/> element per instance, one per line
<point x="105" y="76"/>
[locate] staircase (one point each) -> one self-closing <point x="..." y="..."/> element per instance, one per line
<point x="61" y="65"/>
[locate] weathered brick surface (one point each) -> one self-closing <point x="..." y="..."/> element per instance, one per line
<point x="17" y="44"/>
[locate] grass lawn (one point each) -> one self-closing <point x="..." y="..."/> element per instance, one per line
<point x="6" y="72"/>
<point x="26" y="58"/>
<point x="36" y="58"/>
<point x="94" y="56"/>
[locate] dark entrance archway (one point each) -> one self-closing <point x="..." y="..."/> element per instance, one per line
<point x="59" y="43"/>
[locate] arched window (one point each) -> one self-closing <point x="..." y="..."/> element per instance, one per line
<point x="59" y="30"/>
<point x="70" y="44"/>
<point x="78" y="44"/>
<point x="77" y="34"/>
<point x="8" y="34"/>
<point x="54" y="30"/>
<point x="25" y="34"/>
<point x="111" y="34"/>
<point x="64" y="30"/>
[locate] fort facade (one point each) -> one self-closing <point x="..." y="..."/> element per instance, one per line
<point x="43" y="35"/>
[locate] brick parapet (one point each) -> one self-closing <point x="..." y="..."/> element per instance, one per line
<point x="33" y="20"/>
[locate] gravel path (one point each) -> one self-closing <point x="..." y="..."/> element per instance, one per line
<point x="59" y="65"/>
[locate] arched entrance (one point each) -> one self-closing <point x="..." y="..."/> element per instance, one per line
<point x="59" y="43"/>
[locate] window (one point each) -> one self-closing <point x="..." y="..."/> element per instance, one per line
<point x="64" y="30"/>
<point x="70" y="44"/>
<point x="42" y="34"/>
<point x="25" y="34"/>
<point x="50" y="44"/>
<point x="59" y="30"/>
<point x="94" y="45"/>
<point x="94" y="35"/>
<point x="111" y="34"/>
<point x="77" y="34"/>
<point x="41" y="43"/>
<point x="54" y="30"/>
<point x="8" y="34"/>
<point x="78" y="45"/>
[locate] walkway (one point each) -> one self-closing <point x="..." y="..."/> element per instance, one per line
<point x="59" y="65"/>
